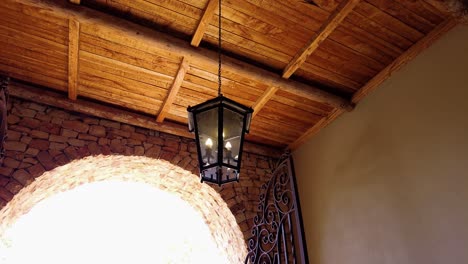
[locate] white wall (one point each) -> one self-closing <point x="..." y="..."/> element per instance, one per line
<point x="388" y="183"/>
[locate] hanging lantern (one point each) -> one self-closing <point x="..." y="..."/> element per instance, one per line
<point x="219" y="125"/>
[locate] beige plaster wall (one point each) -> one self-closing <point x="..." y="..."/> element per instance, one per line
<point x="388" y="183"/>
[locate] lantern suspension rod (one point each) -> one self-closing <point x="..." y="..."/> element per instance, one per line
<point x="219" y="48"/>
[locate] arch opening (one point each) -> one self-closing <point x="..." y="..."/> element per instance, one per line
<point x="119" y="204"/>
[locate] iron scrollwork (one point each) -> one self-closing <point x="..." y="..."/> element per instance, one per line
<point x="277" y="234"/>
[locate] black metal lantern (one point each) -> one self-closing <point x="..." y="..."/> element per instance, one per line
<point x="219" y="125"/>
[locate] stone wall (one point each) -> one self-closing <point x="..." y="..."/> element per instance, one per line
<point x="41" y="138"/>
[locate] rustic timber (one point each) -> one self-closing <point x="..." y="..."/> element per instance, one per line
<point x="375" y="82"/>
<point x="263" y="100"/>
<point x="73" y="57"/>
<point x="410" y="54"/>
<point x="76" y="2"/>
<point x="144" y="38"/>
<point x="55" y="99"/>
<point x="184" y="65"/>
<point x="325" y="30"/>
<point x="204" y="21"/>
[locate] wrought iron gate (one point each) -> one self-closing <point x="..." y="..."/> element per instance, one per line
<point x="277" y="234"/>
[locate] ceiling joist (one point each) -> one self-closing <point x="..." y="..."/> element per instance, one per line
<point x="184" y="65"/>
<point x="266" y="96"/>
<point x="73" y="57"/>
<point x="204" y="22"/>
<point x="375" y="82"/>
<point x="322" y="34"/>
<point x="55" y="99"/>
<point x="121" y="31"/>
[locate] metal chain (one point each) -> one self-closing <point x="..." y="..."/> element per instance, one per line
<point x="219" y="48"/>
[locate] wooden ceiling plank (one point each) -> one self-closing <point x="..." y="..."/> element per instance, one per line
<point x="325" y="30"/>
<point x="260" y="103"/>
<point x="76" y="2"/>
<point x="73" y="57"/>
<point x="396" y="65"/>
<point x="179" y="78"/>
<point x="204" y="22"/>
<point x="401" y="61"/>
<point x="90" y="108"/>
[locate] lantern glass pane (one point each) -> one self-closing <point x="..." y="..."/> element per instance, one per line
<point x="232" y="132"/>
<point x="207" y="123"/>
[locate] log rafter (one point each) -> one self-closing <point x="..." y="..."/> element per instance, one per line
<point x="383" y="75"/>
<point x="119" y="30"/>
<point x="176" y="84"/>
<point x="204" y="22"/>
<point x="266" y="96"/>
<point x="31" y="93"/>
<point x="322" y="34"/>
<point x="73" y="57"/>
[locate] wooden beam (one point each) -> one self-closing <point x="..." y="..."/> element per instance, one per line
<point x="377" y="80"/>
<point x="59" y="100"/>
<point x="73" y="57"/>
<point x="333" y="21"/>
<point x="184" y="65"/>
<point x="204" y="22"/>
<point x="266" y="96"/>
<point x="76" y="2"/>
<point x="145" y="39"/>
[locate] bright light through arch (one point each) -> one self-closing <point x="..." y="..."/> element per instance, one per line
<point x="155" y="174"/>
<point x="111" y="222"/>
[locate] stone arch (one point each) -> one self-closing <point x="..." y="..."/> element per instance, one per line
<point x="42" y="138"/>
<point x="158" y="173"/>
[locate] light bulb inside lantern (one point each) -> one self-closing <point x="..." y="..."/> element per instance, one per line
<point x="228" y="145"/>
<point x="209" y="143"/>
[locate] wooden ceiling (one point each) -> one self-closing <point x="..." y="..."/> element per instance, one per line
<point x="298" y="63"/>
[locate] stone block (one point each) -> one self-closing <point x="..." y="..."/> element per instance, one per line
<point x="5" y="194"/>
<point x="87" y="137"/>
<point x="138" y="136"/>
<point x="153" y="152"/>
<point x="4" y="180"/>
<point x="107" y="123"/>
<point x="19" y="128"/>
<point x="117" y="132"/>
<point x="14" y="135"/>
<point x="155" y="140"/>
<point x="91" y="121"/>
<point x="26" y="139"/>
<point x="37" y="107"/>
<point x="15" y="146"/>
<point x="39" y="134"/>
<point x="76" y="125"/>
<point x="128" y="128"/>
<point x="50" y="128"/>
<point x="32" y="152"/>
<point x="117" y="146"/>
<point x="36" y="170"/>
<point x="58" y="146"/>
<point x="94" y="148"/>
<point x="13" y="187"/>
<point x="43" y="117"/>
<point x="139" y="151"/>
<point x="4" y="171"/>
<point x="98" y="131"/>
<point x="22" y="177"/>
<point x="103" y="141"/>
<point x="11" y="163"/>
<point x="25" y="112"/>
<point x="76" y="142"/>
<point x="46" y="160"/>
<point x="39" y="144"/>
<point x="59" y="139"/>
<point x="30" y="123"/>
<point x="69" y="133"/>
<point x="61" y="160"/>
<point x="13" y="119"/>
